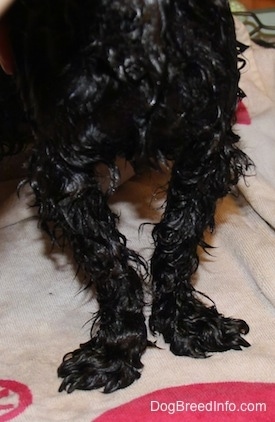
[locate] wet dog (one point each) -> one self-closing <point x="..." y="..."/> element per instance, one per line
<point x="150" y="81"/>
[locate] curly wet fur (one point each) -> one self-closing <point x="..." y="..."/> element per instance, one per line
<point x="149" y="81"/>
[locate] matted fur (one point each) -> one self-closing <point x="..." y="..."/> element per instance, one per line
<point x="151" y="81"/>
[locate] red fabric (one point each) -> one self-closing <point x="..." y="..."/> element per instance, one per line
<point x="14" y="399"/>
<point x="226" y="401"/>
<point x="242" y="114"/>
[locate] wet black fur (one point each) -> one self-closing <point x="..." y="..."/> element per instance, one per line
<point x="149" y="81"/>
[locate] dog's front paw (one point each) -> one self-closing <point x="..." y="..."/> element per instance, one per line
<point x="92" y="366"/>
<point x="207" y="331"/>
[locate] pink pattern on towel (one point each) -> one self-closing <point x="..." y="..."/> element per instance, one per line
<point x="14" y="399"/>
<point x="213" y="402"/>
<point x="242" y="114"/>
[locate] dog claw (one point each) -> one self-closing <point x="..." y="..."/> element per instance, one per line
<point x="202" y="331"/>
<point x="66" y="386"/>
<point x="89" y="369"/>
<point x="214" y="333"/>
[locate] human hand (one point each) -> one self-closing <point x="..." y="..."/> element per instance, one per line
<point x="4" y="4"/>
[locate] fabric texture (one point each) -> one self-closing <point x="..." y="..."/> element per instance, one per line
<point x="44" y="309"/>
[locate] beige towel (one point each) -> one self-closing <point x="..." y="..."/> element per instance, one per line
<point x="43" y="312"/>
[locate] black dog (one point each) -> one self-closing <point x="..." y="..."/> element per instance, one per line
<point x="151" y="81"/>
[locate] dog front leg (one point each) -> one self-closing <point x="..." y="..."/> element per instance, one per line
<point x="111" y="359"/>
<point x="185" y="321"/>
<point x="71" y="200"/>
